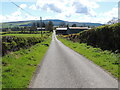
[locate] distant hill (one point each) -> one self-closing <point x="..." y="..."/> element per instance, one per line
<point x="56" y="22"/>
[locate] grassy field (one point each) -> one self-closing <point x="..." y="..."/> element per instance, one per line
<point x="18" y="67"/>
<point x="105" y="59"/>
<point x="27" y="35"/>
<point x="6" y="25"/>
<point x="23" y="35"/>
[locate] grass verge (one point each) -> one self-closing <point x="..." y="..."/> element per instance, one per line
<point x="105" y="59"/>
<point x="18" y="67"/>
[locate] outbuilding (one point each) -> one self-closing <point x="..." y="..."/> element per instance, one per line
<point x="61" y="31"/>
<point x="41" y="29"/>
<point x="70" y="30"/>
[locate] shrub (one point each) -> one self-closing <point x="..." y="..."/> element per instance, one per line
<point x="14" y="43"/>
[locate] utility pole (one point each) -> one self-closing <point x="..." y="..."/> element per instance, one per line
<point x="41" y="25"/>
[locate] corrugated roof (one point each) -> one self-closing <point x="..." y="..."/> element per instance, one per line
<point x="61" y="28"/>
<point x="78" y="28"/>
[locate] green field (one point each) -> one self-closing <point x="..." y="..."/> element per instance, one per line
<point x="18" y="67"/>
<point x="24" y="35"/>
<point x="19" y="33"/>
<point x="6" y="25"/>
<point x="105" y="59"/>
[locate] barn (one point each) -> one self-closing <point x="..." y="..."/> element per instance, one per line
<point x="61" y="31"/>
<point x="41" y="29"/>
<point x="70" y="30"/>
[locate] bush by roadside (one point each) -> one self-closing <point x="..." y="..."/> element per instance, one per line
<point x="105" y="37"/>
<point x="15" y="43"/>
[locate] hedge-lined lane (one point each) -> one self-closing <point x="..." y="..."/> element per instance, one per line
<point x="105" y="37"/>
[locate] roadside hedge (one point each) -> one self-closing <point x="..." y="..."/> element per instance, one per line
<point x="15" y="43"/>
<point x="105" y="37"/>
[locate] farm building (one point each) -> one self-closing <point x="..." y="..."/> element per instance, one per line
<point x="70" y="30"/>
<point x="61" y="30"/>
<point x="39" y="29"/>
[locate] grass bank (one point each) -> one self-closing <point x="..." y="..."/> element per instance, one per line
<point x="105" y="59"/>
<point x="26" y="35"/>
<point x="18" y="67"/>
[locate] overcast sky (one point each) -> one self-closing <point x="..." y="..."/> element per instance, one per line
<point x="96" y="11"/>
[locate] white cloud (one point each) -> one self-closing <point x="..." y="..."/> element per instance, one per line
<point x="16" y="13"/>
<point x="107" y="16"/>
<point x="69" y="10"/>
<point x="80" y="8"/>
<point x="17" y="16"/>
<point x="112" y="13"/>
<point x="2" y="18"/>
<point x="100" y="18"/>
<point x="48" y="5"/>
<point x="68" y="6"/>
<point x="23" y="6"/>
<point x="33" y="7"/>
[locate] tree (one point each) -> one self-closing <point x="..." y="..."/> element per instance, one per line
<point x="43" y="24"/>
<point x="62" y="24"/>
<point x="22" y="30"/>
<point x="38" y="24"/>
<point x="67" y="25"/>
<point x="49" y="26"/>
<point x="33" y="27"/>
<point x="74" y="25"/>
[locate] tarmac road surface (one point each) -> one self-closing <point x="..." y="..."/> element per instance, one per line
<point x="64" y="68"/>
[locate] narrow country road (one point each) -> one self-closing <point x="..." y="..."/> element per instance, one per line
<point x="64" y="68"/>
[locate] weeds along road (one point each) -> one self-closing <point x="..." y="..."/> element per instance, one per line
<point x="64" y="68"/>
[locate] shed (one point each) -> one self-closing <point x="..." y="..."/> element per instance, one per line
<point x="39" y="29"/>
<point x="61" y="30"/>
<point x="72" y="30"/>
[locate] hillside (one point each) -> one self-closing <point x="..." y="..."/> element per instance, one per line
<point x="56" y="22"/>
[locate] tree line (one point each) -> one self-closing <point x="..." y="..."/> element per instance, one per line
<point x="31" y="29"/>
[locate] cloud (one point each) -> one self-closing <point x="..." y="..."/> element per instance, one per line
<point x="80" y="8"/>
<point x="48" y="5"/>
<point x="112" y="13"/>
<point x="68" y="7"/>
<point x="33" y="7"/>
<point x="69" y="10"/>
<point x="16" y="13"/>
<point x="53" y="7"/>
<point x="23" y="6"/>
<point x="2" y="18"/>
<point x="107" y="16"/>
<point x="17" y="16"/>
